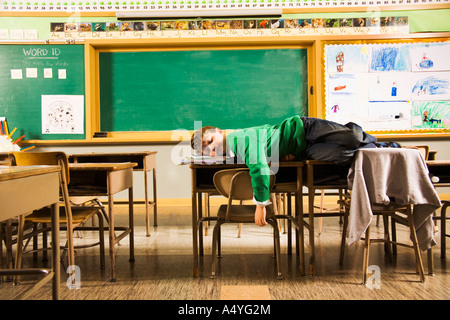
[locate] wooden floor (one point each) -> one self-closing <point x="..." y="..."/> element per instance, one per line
<point x="163" y="268"/>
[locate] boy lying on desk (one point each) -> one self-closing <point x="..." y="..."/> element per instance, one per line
<point x="296" y="138"/>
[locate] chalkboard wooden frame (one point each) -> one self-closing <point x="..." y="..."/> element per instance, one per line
<point x="94" y="50"/>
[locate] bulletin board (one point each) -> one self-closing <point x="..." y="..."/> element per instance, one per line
<point x="42" y="90"/>
<point x="389" y="86"/>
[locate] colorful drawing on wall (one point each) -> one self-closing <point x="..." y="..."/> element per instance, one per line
<point x="431" y="114"/>
<point x="389" y="87"/>
<point x="347" y="59"/>
<point x="385" y="115"/>
<point x="431" y="86"/>
<point x="430" y="56"/>
<point x="342" y="84"/>
<point x="389" y="58"/>
<point x="342" y="106"/>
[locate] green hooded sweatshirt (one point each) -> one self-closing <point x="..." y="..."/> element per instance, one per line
<point x="259" y="146"/>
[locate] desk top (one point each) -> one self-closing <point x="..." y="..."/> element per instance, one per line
<point x="438" y="162"/>
<point x="112" y="154"/>
<point x="110" y="166"/>
<point x="242" y="165"/>
<point x="16" y="172"/>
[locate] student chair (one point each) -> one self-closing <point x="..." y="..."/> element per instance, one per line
<point x="235" y="184"/>
<point x="71" y="215"/>
<point x="399" y="214"/>
<point x="388" y="182"/>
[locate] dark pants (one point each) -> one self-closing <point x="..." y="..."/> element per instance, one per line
<point x="331" y="141"/>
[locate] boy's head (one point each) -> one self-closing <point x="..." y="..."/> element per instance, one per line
<point x="208" y="141"/>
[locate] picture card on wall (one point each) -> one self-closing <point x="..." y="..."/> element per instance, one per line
<point x="430" y="56"/>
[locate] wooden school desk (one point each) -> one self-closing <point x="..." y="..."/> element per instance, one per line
<point x="146" y="162"/>
<point x="22" y="190"/>
<point x="440" y="169"/>
<point x="321" y="175"/>
<point x="288" y="180"/>
<point x="106" y="179"/>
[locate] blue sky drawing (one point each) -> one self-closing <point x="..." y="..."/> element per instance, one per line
<point x="390" y="58"/>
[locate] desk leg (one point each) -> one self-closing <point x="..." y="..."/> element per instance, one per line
<point x="311" y="193"/>
<point x="194" y="224"/>
<point x="289" y="212"/>
<point x="131" y="222"/>
<point x="155" y="212"/>
<point x="55" y="251"/>
<point x="147" y="214"/>
<point x="300" y="239"/>
<point x="112" y="240"/>
<point x="195" y="235"/>
<point x="199" y="217"/>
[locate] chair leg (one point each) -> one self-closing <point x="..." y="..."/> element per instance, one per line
<point x="443" y="228"/>
<point x="214" y="246"/>
<point x="387" y="240"/>
<point x="200" y="237"/>
<point x="44" y="243"/>
<point x="415" y="245"/>
<point x="430" y="262"/>
<point x="344" y="237"/>
<point x="394" y="237"/>
<point x="366" y="255"/>
<point x="276" y="236"/>
<point x="71" y="251"/>
<point x="19" y="250"/>
<point x="322" y="210"/>
<point x="101" y="227"/>
<point x="1" y="249"/>
<point x="8" y="244"/>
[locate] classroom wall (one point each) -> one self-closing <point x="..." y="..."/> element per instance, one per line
<point x="173" y="180"/>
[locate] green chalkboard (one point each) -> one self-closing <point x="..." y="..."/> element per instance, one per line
<point x="230" y="89"/>
<point x="29" y="72"/>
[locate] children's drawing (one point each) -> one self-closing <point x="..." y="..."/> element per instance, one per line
<point x="389" y="87"/>
<point x="431" y="114"/>
<point x="390" y="114"/>
<point x="341" y="84"/>
<point x="430" y="56"/>
<point x="342" y="108"/>
<point x="346" y="58"/>
<point x="431" y="86"/>
<point x="389" y="58"/>
<point x="62" y="114"/>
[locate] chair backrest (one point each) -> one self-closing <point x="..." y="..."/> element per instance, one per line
<point x="56" y="158"/>
<point x="236" y="183"/>
<point x="424" y="150"/>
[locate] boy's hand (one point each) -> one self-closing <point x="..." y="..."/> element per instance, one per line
<point x="260" y="216"/>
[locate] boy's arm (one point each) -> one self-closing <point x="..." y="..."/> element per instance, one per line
<point x="255" y="158"/>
